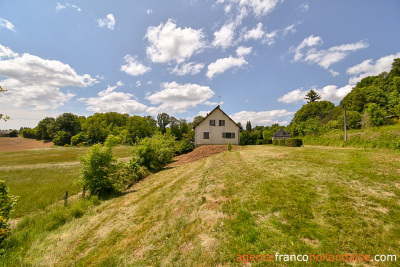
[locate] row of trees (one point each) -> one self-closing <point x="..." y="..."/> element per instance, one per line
<point x="70" y="129"/>
<point x="374" y="101"/>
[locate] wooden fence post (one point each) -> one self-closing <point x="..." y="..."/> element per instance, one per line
<point x="66" y="198"/>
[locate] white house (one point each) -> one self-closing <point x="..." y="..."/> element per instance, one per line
<point x="216" y="128"/>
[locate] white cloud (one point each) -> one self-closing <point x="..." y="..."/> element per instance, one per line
<point x="149" y="11"/>
<point x="330" y="92"/>
<point x="138" y="83"/>
<point x="6" y="24"/>
<point x="324" y="58"/>
<point x="177" y="98"/>
<point x="243" y="51"/>
<point x="304" y="7"/>
<point x="289" y="29"/>
<point x="224" y="36"/>
<point x="257" y="33"/>
<point x="108" y="100"/>
<point x="108" y="21"/>
<point x="6" y="52"/>
<point x="60" y="7"/>
<point x="258" y="7"/>
<point x="370" y="68"/>
<point x="35" y="82"/>
<point x="263" y="117"/>
<point x="223" y="64"/>
<point x="134" y="67"/>
<point x="167" y="42"/>
<point x="191" y="68"/>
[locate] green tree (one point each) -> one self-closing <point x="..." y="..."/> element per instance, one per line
<point x="312" y="96"/>
<point x="43" y="129"/>
<point x="248" y="126"/>
<point x="66" y="122"/>
<point x="163" y="120"/>
<point x="7" y="201"/>
<point x="196" y="120"/>
<point x="62" y="138"/>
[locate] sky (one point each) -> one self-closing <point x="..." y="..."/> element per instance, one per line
<point x="256" y="58"/>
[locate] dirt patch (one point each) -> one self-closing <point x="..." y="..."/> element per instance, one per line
<point x="199" y="153"/>
<point x="8" y="144"/>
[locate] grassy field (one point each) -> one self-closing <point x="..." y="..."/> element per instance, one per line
<point x="256" y="200"/>
<point x="40" y="177"/>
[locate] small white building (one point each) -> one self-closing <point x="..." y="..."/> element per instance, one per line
<point x="216" y="128"/>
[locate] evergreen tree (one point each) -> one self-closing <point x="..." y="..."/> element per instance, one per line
<point x="312" y="96"/>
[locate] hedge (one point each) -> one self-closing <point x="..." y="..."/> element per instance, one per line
<point x="292" y="142"/>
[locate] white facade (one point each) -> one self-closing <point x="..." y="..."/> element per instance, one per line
<point x="216" y="128"/>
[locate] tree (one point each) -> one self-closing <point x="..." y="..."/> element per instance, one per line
<point x="7" y="201"/>
<point x="66" y="122"/>
<point x="248" y="126"/>
<point x="196" y="120"/>
<point x="43" y="129"/>
<point x="4" y="117"/>
<point x="163" y="120"/>
<point x="312" y="96"/>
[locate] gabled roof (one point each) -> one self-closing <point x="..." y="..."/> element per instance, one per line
<point x="281" y="132"/>
<point x="217" y="107"/>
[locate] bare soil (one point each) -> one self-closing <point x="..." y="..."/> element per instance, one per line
<point x="8" y="144"/>
<point x="199" y="153"/>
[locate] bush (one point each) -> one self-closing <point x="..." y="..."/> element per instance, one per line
<point x="267" y="141"/>
<point x="156" y="151"/>
<point x="7" y="202"/>
<point x="13" y="133"/>
<point x="80" y="138"/>
<point x="62" y="138"/>
<point x="247" y="138"/>
<point x="229" y="146"/>
<point x="28" y="133"/>
<point x="112" y="140"/>
<point x="185" y="146"/>
<point x="294" y="142"/>
<point x="98" y="170"/>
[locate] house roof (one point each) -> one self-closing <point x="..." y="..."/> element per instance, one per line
<point x="217" y="107"/>
<point x="281" y="132"/>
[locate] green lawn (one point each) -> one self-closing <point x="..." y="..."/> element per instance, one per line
<point x="256" y="200"/>
<point x="39" y="177"/>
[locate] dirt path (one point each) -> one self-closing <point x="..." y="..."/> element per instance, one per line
<point x="8" y="144"/>
<point x="199" y="153"/>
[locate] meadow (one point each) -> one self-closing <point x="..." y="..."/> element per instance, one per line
<point x="253" y="200"/>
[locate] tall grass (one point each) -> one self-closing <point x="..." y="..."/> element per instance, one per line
<point x="385" y="137"/>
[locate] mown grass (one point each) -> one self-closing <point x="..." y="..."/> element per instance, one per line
<point x="386" y="137"/>
<point x="257" y="200"/>
<point x="40" y="177"/>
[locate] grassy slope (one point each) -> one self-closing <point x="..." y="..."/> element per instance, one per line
<point x="262" y="199"/>
<point x="387" y="137"/>
<point x="39" y="177"/>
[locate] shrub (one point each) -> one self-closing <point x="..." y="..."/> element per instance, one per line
<point x="156" y="151"/>
<point x="7" y="202"/>
<point x="294" y="142"/>
<point x="13" y="133"/>
<point x="185" y="146"/>
<point x="62" y="138"/>
<point x="112" y="140"/>
<point x="247" y="138"/>
<point x="28" y="133"/>
<point x="80" y="138"/>
<point x="267" y="141"/>
<point x="97" y="170"/>
<point x="229" y="146"/>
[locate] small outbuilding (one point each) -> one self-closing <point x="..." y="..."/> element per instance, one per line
<point x="217" y="128"/>
<point x="281" y="134"/>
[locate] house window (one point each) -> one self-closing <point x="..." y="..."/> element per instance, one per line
<point x="221" y="122"/>
<point x="206" y="135"/>
<point x="212" y="122"/>
<point x="228" y="135"/>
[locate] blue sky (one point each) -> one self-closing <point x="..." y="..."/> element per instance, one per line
<point x="257" y="58"/>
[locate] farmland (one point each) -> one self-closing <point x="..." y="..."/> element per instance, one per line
<point x="253" y="200"/>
